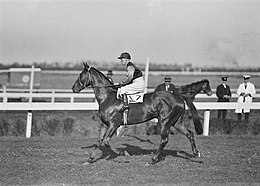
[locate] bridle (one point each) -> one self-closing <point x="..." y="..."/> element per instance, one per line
<point x="85" y="82"/>
<point x="81" y="84"/>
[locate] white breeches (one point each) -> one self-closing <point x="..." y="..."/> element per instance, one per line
<point x="135" y="87"/>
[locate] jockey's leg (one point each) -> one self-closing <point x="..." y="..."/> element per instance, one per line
<point x="125" y="102"/>
<point x="125" y="108"/>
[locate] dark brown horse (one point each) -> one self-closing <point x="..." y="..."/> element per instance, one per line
<point x="191" y="90"/>
<point x="167" y="107"/>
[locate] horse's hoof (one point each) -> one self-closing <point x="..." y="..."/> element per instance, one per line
<point x="86" y="163"/>
<point x="126" y="153"/>
<point x="154" y="160"/>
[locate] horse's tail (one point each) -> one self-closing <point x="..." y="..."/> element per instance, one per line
<point x="196" y="120"/>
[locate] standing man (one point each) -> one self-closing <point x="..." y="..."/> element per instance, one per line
<point x="109" y="76"/>
<point x="224" y="94"/>
<point x="166" y="86"/>
<point x="133" y="84"/>
<point x="245" y="93"/>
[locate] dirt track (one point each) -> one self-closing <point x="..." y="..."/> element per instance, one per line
<point x="57" y="161"/>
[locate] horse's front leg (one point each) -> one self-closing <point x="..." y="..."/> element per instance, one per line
<point x="110" y="132"/>
<point x="102" y="132"/>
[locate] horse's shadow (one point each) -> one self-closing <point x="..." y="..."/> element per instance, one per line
<point x="133" y="150"/>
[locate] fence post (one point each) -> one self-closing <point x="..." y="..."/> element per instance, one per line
<point x="29" y="113"/>
<point x="29" y="124"/>
<point x="5" y="98"/>
<point x="52" y="96"/>
<point x="31" y="83"/>
<point x="206" y="123"/>
<point x="146" y="74"/>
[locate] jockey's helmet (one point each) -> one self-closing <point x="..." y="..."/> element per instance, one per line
<point x="124" y="55"/>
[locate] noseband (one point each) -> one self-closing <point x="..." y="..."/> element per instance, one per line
<point x="81" y="84"/>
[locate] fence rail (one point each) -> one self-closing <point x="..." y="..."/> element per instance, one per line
<point x="65" y="93"/>
<point x="29" y="103"/>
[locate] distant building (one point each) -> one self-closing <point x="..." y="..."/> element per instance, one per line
<point x="21" y="78"/>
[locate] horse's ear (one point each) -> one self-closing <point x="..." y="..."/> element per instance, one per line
<point x="85" y="65"/>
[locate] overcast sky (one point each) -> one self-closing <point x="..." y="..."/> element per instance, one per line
<point x="200" y="32"/>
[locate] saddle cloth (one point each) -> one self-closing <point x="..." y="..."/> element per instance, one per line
<point x="135" y="98"/>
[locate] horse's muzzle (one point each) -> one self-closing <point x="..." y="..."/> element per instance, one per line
<point x="75" y="90"/>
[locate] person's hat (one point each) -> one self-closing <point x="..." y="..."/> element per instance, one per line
<point x="246" y="76"/>
<point x="167" y="78"/>
<point x="224" y="78"/>
<point x="124" y="55"/>
<point x="110" y="72"/>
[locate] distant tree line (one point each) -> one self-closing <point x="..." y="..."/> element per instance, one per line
<point x="103" y="65"/>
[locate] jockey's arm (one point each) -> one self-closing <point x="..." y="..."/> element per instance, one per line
<point x="130" y="75"/>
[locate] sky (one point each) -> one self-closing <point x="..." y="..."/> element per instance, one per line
<point x="200" y="32"/>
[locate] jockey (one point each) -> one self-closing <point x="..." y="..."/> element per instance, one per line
<point x="134" y="82"/>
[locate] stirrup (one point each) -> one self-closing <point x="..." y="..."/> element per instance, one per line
<point x="125" y="114"/>
<point x="125" y="107"/>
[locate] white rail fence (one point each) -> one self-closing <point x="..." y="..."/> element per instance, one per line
<point x="46" y="99"/>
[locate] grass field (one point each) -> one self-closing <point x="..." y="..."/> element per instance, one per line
<point x="62" y="141"/>
<point x="226" y="160"/>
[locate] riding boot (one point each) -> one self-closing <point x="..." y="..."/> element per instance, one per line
<point x="247" y="117"/>
<point x="125" y="109"/>
<point x="125" y="101"/>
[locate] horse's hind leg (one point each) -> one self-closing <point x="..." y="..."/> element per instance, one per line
<point x="189" y="134"/>
<point x="163" y="142"/>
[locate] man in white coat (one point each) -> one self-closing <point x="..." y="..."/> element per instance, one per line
<point x="245" y="93"/>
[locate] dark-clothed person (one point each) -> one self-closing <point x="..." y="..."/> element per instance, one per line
<point x="109" y="76"/>
<point x="167" y="85"/>
<point x="224" y="94"/>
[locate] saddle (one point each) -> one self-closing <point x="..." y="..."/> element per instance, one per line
<point x="135" y="97"/>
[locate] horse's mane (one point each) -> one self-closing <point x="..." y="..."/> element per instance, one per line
<point x="107" y="82"/>
<point x="195" y="83"/>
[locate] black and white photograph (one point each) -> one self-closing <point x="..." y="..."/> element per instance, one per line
<point x="130" y="92"/>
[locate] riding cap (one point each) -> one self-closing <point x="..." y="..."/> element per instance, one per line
<point x="224" y="78"/>
<point x="246" y="76"/>
<point x="167" y="78"/>
<point x="124" y="55"/>
<point x="110" y="72"/>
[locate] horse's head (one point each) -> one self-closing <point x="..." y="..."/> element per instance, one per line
<point x="84" y="79"/>
<point x="206" y="87"/>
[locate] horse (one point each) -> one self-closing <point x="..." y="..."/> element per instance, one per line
<point x="166" y="107"/>
<point x="195" y="88"/>
<point x="190" y="91"/>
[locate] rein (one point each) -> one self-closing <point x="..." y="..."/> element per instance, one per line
<point x="103" y="86"/>
<point x="85" y="82"/>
